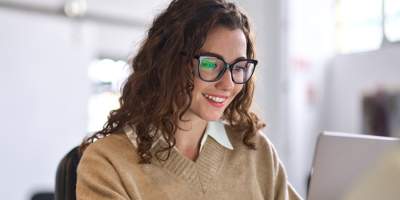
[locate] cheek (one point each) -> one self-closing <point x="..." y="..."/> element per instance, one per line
<point x="237" y="89"/>
<point x="199" y="87"/>
<point x="198" y="83"/>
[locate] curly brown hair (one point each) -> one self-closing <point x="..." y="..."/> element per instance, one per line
<point x="156" y="94"/>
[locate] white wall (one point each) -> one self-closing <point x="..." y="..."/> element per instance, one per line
<point x="44" y="98"/>
<point x="45" y="90"/>
<point x="349" y="77"/>
<point x="325" y="89"/>
<point x="267" y="19"/>
<point x="276" y="45"/>
<point x="311" y="46"/>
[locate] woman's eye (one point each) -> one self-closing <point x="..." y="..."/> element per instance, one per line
<point x="217" y="67"/>
<point x="238" y="69"/>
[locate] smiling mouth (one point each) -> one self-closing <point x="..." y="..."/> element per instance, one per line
<point x="215" y="99"/>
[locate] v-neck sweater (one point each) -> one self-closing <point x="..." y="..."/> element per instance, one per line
<point x="110" y="169"/>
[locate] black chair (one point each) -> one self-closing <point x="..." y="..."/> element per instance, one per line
<point x="66" y="176"/>
<point x="43" y="196"/>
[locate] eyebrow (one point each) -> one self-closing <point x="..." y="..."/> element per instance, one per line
<point x="221" y="57"/>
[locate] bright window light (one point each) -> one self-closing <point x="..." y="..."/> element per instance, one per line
<point x="100" y="106"/>
<point x="392" y="20"/>
<point x="106" y="70"/>
<point x="107" y="76"/>
<point x="359" y="25"/>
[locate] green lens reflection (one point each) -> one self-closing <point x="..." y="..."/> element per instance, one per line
<point x="207" y="65"/>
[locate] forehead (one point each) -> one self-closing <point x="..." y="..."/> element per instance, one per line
<point x="230" y="44"/>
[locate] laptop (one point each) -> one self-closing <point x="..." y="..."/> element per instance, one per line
<point x="342" y="159"/>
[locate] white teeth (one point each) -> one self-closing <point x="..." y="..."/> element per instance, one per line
<point x="216" y="99"/>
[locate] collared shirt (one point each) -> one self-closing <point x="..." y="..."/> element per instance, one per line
<point x="215" y="129"/>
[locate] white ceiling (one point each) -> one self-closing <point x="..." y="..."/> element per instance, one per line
<point x="136" y="10"/>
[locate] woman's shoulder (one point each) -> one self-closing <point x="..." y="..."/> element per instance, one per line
<point x="264" y="149"/>
<point x="236" y="138"/>
<point x="102" y="164"/>
<point x="263" y="158"/>
<point x="114" y="145"/>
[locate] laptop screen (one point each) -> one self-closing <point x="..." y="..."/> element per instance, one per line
<point x="341" y="159"/>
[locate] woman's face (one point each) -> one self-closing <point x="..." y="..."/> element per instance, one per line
<point x="230" y="45"/>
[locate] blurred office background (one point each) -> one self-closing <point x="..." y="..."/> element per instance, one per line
<point x="324" y="65"/>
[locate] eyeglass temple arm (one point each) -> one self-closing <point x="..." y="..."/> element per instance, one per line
<point x="185" y="54"/>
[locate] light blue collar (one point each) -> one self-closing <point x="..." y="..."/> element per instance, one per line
<point x="215" y="129"/>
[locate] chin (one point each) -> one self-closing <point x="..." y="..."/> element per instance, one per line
<point x="211" y="116"/>
<point x="213" y="119"/>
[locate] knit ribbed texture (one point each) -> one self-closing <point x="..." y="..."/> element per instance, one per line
<point x="176" y="164"/>
<point x="110" y="169"/>
<point x="197" y="173"/>
<point x="209" y="161"/>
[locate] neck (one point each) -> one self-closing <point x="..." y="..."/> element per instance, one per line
<point x="189" y="136"/>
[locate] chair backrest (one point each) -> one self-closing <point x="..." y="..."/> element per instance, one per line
<point x="66" y="176"/>
<point x="43" y="196"/>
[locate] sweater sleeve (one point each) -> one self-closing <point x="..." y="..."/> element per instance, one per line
<point x="97" y="177"/>
<point x="282" y="190"/>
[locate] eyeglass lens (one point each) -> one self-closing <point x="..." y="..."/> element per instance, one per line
<point x="212" y="69"/>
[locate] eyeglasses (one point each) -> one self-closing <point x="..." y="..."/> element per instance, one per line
<point x="213" y="68"/>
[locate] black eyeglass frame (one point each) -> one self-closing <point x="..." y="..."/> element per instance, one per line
<point x="230" y="66"/>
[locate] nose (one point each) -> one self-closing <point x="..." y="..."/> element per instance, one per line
<point x="225" y="83"/>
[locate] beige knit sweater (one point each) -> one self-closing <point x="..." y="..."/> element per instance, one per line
<point x="109" y="169"/>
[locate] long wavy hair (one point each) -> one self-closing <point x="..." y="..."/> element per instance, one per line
<point x="156" y="94"/>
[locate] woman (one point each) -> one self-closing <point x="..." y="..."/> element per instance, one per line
<point x="184" y="129"/>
